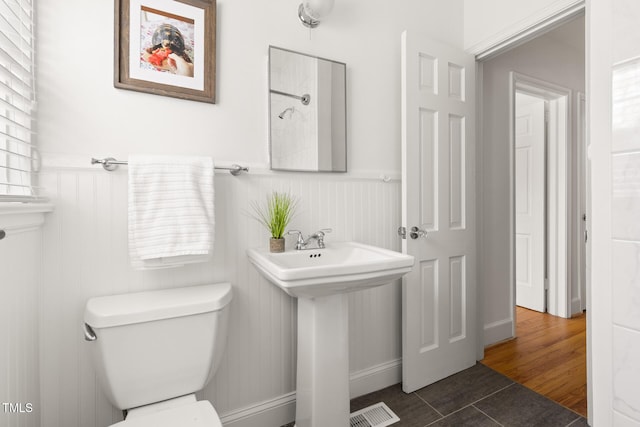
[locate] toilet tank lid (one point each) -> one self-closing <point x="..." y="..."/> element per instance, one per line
<point x="118" y="310"/>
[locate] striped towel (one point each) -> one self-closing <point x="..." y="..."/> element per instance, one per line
<point x="171" y="219"/>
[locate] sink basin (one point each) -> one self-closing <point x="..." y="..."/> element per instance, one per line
<point x="338" y="268"/>
<point x="320" y="279"/>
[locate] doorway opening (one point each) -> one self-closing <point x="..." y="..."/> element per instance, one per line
<point x="556" y="59"/>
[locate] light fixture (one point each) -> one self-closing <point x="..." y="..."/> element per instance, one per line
<point x="311" y="12"/>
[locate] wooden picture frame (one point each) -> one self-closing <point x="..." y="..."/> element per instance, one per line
<point x="181" y="62"/>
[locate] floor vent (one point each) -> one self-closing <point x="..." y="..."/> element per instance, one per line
<point x="378" y="415"/>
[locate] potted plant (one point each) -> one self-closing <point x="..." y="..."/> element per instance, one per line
<point x="275" y="215"/>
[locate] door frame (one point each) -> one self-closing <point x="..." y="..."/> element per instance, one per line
<point x="558" y="175"/>
<point x="528" y="29"/>
<point x="583" y="204"/>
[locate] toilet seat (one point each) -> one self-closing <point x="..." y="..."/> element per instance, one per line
<point x="196" y="414"/>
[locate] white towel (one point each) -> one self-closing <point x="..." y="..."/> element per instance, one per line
<point x="171" y="215"/>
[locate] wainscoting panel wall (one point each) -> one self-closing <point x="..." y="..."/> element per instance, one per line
<point x="20" y="253"/>
<point x="85" y="255"/>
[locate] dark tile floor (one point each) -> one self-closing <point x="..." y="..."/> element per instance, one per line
<point x="478" y="396"/>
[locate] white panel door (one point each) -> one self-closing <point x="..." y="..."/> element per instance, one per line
<point x="530" y="202"/>
<point x="438" y="198"/>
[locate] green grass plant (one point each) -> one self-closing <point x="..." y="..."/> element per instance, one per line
<point x="276" y="213"/>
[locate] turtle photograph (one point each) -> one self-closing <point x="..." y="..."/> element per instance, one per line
<point x="166" y="47"/>
<point x="166" y="42"/>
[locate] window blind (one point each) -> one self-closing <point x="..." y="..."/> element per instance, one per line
<point x="18" y="157"/>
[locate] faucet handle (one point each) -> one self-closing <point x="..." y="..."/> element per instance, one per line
<point x="298" y="232"/>
<point x="320" y="236"/>
<point x="300" y="241"/>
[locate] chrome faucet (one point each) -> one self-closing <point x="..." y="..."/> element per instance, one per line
<point x="318" y="236"/>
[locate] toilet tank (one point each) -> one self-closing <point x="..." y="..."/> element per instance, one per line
<point x="157" y="345"/>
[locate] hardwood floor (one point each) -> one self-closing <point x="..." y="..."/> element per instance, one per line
<point x="548" y="356"/>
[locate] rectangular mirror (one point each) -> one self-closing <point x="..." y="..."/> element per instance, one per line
<point x="307" y="112"/>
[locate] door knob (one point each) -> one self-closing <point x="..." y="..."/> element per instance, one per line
<point x="417" y="232"/>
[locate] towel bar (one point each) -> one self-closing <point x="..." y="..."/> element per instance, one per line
<point x="111" y="164"/>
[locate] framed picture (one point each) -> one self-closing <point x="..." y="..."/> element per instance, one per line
<point x="166" y="47"/>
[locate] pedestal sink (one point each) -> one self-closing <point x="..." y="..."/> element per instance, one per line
<point x="320" y="279"/>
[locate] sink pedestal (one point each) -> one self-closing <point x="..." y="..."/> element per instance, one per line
<point x="321" y="279"/>
<point x="322" y="396"/>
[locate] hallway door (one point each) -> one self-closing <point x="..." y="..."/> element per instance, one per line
<point x="530" y="206"/>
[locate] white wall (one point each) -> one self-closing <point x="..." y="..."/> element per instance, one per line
<point x="614" y="153"/>
<point x="81" y="115"/>
<point x="490" y="23"/>
<point x="545" y="58"/>
<point x="20" y="253"/>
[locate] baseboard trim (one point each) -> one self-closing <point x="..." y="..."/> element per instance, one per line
<point x="375" y="378"/>
<point x="498" y="331"/>
<point x="576" y="306"/>
<point x="282" y="409"/>
<point x="269" y="413"/>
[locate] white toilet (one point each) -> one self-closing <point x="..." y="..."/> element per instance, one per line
<point x="153" y="350"/>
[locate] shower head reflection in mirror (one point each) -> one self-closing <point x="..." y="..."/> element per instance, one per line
<point x="284" y="113"/>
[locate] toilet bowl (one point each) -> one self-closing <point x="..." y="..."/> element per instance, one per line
<point x="153" y="350"/>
